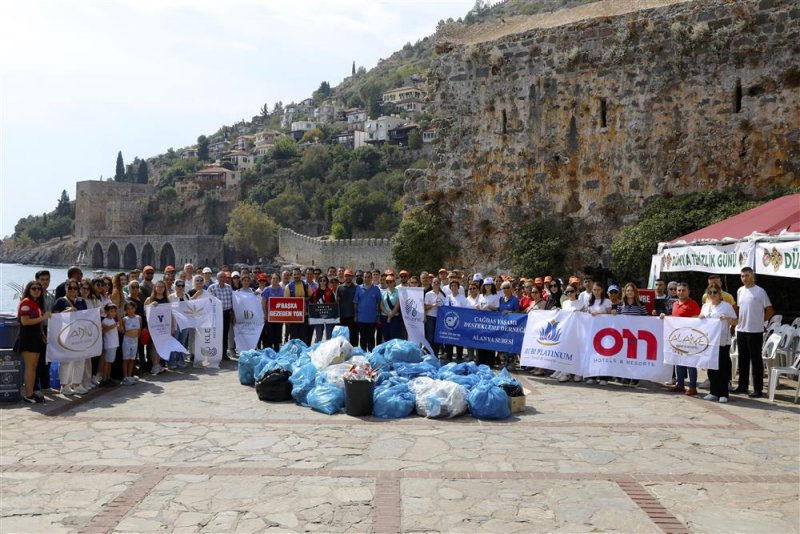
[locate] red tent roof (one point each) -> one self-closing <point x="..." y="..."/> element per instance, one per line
<point x="771" y="218"/>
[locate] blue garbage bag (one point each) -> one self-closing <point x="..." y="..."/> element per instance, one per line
<point x="468" y="381"/>
<point x="488" y="401"/>
<point x="393" y="401"/>
<point x="247" y="363"/>
<point x="280" y="361"/>
<point x="400" y="350"/>
<point x="293" y="346"/>
<point x="341" y="331"/>
<point x="303" y="380"/>
<point x="413" y="370"/>
<point x="432" y="360"/>
<point x="326" y="398"/>
<point x="504" y="378"/>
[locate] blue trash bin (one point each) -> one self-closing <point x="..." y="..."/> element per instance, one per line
<point x="10" y="375"/>
<point x="9" y="330"/>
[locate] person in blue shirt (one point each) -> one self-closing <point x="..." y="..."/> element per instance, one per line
<point x="508" y="303"/>
<point x="365" y="305"/>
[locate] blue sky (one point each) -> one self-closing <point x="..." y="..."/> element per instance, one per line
<point x="80" y="80"/>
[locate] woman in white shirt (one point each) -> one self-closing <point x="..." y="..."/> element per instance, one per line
<point x="598" y="305"/>
<point x="434" y="299"/>
<point x="572" y="303"/>
<point x="488" y="301"/>
<point x="716" y="308"/>
<point x="455" y="299"/>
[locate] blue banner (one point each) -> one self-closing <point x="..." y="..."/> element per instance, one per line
<point x="480" y="329"/>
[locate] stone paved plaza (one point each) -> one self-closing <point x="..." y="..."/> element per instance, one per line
<point x="195" y="451"/>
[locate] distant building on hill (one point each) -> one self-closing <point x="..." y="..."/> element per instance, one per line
<point x="408" y="98"/>
<point x="377" y="130"/>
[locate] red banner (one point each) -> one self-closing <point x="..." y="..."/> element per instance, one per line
<point x="648" y="298"/>
<point x="286" y="310"/>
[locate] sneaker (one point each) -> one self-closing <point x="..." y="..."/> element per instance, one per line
<point x="577" y="378"/>
<point x="156" y="370"/>
<point x="670" y="383"/>
<point x="29" y="400"/>
<point x="66" y="390"/>
<point x="38" y="394"/>
<point x="96" y="380"/>
<point x="55" y="391"/>
<point x="723" y="399"/>
<point x="80" y="390"/>
<point x="564" y="377"/>
<point x="705" y="384"/>
<point x="591" y="381"/>
<point x="556" y="374"/>
<point x="128" y="381"/>
<point x="603" y="382"/>
<point x="134" y="378"/>
<point x="711" y="397"/>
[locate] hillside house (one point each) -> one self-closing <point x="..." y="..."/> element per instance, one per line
<point x="243" y="141"/>
<point x="329" y="111"/>
<point x="399" y="135"/>
<point x="377" y="130"/>
<point x="428" y="136"/>
<point x="351" y="139"/>
<point x="239" y="160"/>
<point x="299" y="128"/>
<point x="189" y="153"/>
<point x="266" y="137"/>
<point x="355" y="118"/>
<point x="208" y="179"/>
<point x="410" y="99"/>
<point x="216" y="148"/>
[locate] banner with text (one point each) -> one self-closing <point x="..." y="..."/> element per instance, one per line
<point x="193" y="313"/>
<point x="248" y="320"/>
<point x="692" y="342"/>
<point x="778" y="258"/>
<point x="323" y="313"/>
<point x="159" y="322"/>
<point x="720" y="259"/>
<point x="208" y="341"/>
<point x="74" y="335"/>
<point x="480" y="329"/>
<point x="286" y="310"/>
<point x="413" y="313"/>
<point x="553" y="340"/>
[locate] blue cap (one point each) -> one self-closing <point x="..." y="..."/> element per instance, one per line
<point x="613" y="287"/>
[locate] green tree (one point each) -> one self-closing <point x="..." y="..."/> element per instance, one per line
<point x="371" y="93"/>
<point x="63" y="206"/>
<point x="419" y="243"/>
<point x="264" y="111"/>
<point x="285" y="148"/>
<point x="142" y="173"/>
<point x="414" y="139"/>
<point x="251" y="232"/>
<point x="202" y="148"/>
<point x="119" y="175"/>
<point x="322" y="92"/>
<point x="353" y="72"/>
<point x="313" y="135"/>
<point x="167" y="195"/>
<point x="538" y="247"/>
<point x="314" y="162"/>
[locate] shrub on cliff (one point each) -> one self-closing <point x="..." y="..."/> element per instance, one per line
<point x="665" y="219"/>
<point x="419" y="243"/>
<point x="251" y="232"/>
<point x="539" y="248"/>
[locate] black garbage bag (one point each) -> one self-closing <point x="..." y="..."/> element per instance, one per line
<point x="275" y="386"/>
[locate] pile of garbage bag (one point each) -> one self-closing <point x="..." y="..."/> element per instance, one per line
<point x="406" y="379"/>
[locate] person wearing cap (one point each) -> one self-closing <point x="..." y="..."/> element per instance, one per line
<point x="433" y="300"/>
<point x="489" y="300"/>
<point x="146" y="286"/>
<point x="615" y="298"/>
<point x="345" y="294"/>
<point x="508" y="303"/>
<point x="366" y="304"/>
<point x="443" y="277"/>
<point x="224" y="293"/>
<point x="263" y="281"/>
<point x="236" y="281"/>
<point x="207" y="281"/>
<point x="403" y="278"/>
<point x="453" y="277"/>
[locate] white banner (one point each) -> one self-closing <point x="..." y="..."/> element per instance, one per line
<point x="692" y="342"/>
<point x="554" y="339"/>
<point x="248" y="320"/>
<point x="778" y="258"/>
<point x="625" y="346"/>
<point x="73" y="336"/>
<point x="193" y="313"/>
<point x="655" y="271"/>
<point x="208" y="341"/>
<point x="159" y="323"/>
<point x="413" y="311"/>
<point x="720" y="259"/>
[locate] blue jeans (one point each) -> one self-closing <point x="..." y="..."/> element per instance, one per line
<point x="430" y="331"/>
<point x="390" y="328"/>
<point x="680" y="372"/>
<point x="318" y="328"/>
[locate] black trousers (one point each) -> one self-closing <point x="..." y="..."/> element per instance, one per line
<point x="350" y="323"/>
<point x="750" y="352"/>
<point x="719" y="378"/>
<point x="366" y="332"/>
<point x="42" y="372"/>
<point x="226" y="328"/>
<point x="271" y="336"/>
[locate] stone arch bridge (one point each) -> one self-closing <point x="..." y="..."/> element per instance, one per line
<point x="129" y="251"/>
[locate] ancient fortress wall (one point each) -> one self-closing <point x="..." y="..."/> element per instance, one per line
<point x="582" y="117"/>
<point x="354" y="253"/>
<point x="110" y="208"/>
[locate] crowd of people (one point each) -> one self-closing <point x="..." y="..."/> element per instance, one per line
<point x="369" y="305"/>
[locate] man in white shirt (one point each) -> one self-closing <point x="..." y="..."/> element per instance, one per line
<point x="586" y="294"/>
<point x="754" y="308"/>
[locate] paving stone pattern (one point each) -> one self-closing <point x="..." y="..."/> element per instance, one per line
<point x="195" y="451"/>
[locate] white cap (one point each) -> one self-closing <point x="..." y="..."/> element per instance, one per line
<point x="234" y="274"/>
<point x="477" y="277"/>
<point x="206" y="270"/>
<point x="488" y="281"/>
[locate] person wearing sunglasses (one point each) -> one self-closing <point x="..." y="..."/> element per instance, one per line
<point x="556" y="296"/>
<point x="70" y="373"/>
<point x="390" y="310"/>
<point x="31" y="336"/>
<point x="178" y="359"/>
<point x="716" y="308"/>
<point x="90" y="295"/>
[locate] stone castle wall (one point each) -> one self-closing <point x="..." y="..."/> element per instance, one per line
<point x="585" y="120"/>
<point x="110" y="208"/>
<point x="353" y="253"/>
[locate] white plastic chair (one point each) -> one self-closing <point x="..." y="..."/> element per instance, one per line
<point x="796" y="323"/>
<point x="734" y="356"/>
<point x="775" y="320"/>
<point x="784" y="352"/>
<point x="774" y="377"/>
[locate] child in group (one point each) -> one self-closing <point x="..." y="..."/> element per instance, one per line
<point x="131" y="327"/>
<point x="111" y="329"/>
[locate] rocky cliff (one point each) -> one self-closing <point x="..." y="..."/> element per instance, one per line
<point x="584" y="114"/>
<point x="68" y="251"/>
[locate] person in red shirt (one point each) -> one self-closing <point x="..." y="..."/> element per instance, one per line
<point x="31" y="335"/>
<point x="685" y="307"/>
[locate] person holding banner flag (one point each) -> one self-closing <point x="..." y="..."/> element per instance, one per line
<point x="598" y="304"/>
<point x="323" y="294"/>
<point x="631" y="305"/>
<point x="159" y="296"/>
<point x="70" y="373"/>
<point x="717" y="308"/>
<point x="685" y="307"/>
<point x="390" y="309"/>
